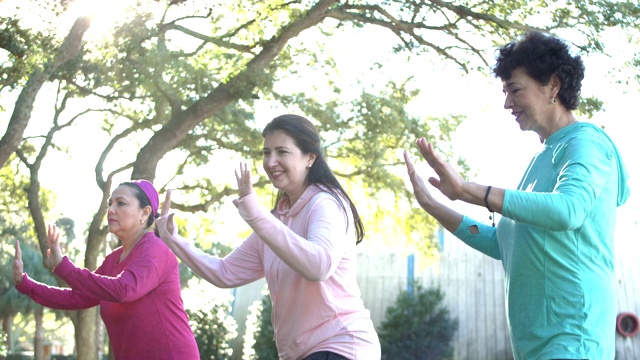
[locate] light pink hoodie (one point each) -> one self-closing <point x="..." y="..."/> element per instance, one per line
<point x="308" y="256"/>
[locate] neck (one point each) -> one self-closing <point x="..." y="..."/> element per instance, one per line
<point x="294" y="197"/>
<point x="561" y="120"/>
<point x="128" y="244"/>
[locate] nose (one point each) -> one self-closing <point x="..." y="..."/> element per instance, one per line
<point x="110" y="209"/>
<point x="508" y="102"/>
<point x="270" y="161"/>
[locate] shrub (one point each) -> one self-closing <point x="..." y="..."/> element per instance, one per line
<point x="213" y="329"/>
<point x="417" y="327"/>
<point x="259" y="343"/>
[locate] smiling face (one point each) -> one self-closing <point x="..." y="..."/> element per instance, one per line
<point x="286" y="165"/>
<point x="531" y="102"/>
<point x="125" y="215"/>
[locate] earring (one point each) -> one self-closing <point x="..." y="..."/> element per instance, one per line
<point x="141" y="221"/>
<point x="553" y="100"/>
<point x="309" y="166"/>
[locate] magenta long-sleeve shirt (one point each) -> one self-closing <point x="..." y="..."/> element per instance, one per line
<point x="139" y="298"/>
<point x="307" y="253"/>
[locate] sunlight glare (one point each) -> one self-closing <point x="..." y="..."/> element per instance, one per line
<point x="105" y="14"/>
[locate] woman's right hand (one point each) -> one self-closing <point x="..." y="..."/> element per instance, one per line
<point x="17" y="271"/>
<point x="423" y="196"/>
<point x="165" y="221"/>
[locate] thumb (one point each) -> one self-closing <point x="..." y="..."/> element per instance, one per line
<point x="170" y="224"/>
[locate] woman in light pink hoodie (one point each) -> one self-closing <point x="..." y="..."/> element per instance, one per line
<point x="305" y="247"/>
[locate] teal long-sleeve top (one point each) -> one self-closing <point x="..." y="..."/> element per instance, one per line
<point x="555" y="241"/>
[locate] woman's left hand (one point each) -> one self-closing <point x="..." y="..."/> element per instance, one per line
<point x="450" y="183"/>
<point x="17" y="271"/>
<point x="243" y="177"/>
<point x="54" y="254"/>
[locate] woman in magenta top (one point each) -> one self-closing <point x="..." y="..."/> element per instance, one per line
<point x="305" y="248"/>
<point x="137" y="286"/>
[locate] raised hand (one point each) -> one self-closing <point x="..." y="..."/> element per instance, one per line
<point x="166" y="220"/>
<point x="17" y="270"/>
<point x="243" y="177"/>
<point x="450" y="183"/>
<point x="54" y="254"/>
<point x="423" y="196"/>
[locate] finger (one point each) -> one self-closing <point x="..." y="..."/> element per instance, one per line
<point x="237" y="177"/>
<point x="18" y="254"/>
<point x="410" y="168"/>
<point x="166" y="205"/>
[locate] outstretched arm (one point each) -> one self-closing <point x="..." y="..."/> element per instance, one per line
<point x="49" y="296"/>
<point x="242" y="266"/>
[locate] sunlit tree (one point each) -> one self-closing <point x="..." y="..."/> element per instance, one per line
<point x="180" y="82"/>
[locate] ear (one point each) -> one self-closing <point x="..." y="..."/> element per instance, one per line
<point x="146" y="212"/>
<point x="554" y="85"/>
<point x="312" y="159"/>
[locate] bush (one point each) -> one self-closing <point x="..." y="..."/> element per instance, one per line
<point x="213" y="329"/>
<point x="417" y="327"/>
<point x="259" y="343"/>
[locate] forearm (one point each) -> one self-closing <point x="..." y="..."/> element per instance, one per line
<point x="447" y="217"/>
<point x="54" y="297"/>
<point x="237" y="269"/>
<point x="314" y="256"/>
<point x="481" y="195"/>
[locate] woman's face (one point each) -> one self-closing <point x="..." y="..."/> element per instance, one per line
<point x="125" y="217"/>
<point x="530" y="102"/>
<point x="285" y="164"/>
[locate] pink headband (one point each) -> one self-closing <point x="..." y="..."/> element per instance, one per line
<point x="151" y="192"/>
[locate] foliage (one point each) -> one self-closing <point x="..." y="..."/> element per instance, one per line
<point x="417" y="327"/>
<point x="191" y="82"/>
<point x="3" y="343"/>
<point x="258" y="341"/>
<point x="213" y="328"/>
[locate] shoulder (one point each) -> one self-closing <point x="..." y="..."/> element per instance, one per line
<point x="153" y="247"/>
<point x="589" y="138"/>
<point x="323" y="195"/>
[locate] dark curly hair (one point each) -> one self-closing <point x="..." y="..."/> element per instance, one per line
<point x="542" y="56"/>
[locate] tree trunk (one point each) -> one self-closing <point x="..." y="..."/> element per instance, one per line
<point x="7" y="327"/>
<point x="85" y="334"/>
<point x="38" y="339"/>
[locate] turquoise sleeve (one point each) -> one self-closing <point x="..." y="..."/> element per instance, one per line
<point x="583" y="166"/>
<point x="484" y="241"/>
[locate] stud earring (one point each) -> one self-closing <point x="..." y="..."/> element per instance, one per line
<point x="141" y="221"/>
<point x="553" y="100"/>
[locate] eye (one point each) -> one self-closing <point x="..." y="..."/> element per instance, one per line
<point x="266" y="153"/>
<point x="121" y="203"/>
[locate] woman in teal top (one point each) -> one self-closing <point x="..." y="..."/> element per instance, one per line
<point x="555" y="236"/>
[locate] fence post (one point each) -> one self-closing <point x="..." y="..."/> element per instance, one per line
<point x="410" y="275"/>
